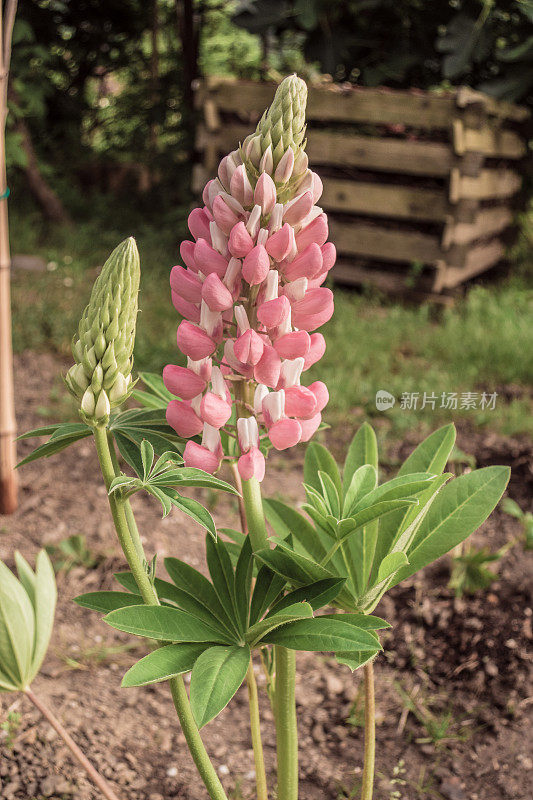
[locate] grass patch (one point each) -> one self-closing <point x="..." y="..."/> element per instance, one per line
<point x="483" y="344"/>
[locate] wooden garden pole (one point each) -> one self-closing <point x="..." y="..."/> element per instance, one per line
<point x="8" y="481"/>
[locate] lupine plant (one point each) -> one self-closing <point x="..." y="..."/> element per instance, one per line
<point x="251" y="295"/>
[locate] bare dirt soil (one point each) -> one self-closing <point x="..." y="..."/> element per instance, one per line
<point x="464" y="734"/>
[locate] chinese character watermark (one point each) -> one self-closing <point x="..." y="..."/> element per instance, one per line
<point x="451" y="401"/>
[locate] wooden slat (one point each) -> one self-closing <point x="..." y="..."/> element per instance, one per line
<point x="491" y="141"/>
<point x="346" y="272"/>
<point x="377" y="199"/>
<point x="487" y="223"/>
<point x="489" y="184"/>
<point x="479" y="259"/>
<point x="434" y="159"/>
<point x="377" y="241"/>
<point x="499" y="108"/>
<point x="379" y="106"/>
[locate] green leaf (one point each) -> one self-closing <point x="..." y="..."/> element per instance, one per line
<point x="268" y="586"/>
<point x="363" y="450"/>
<point x="365" y="621"/>
<point x="26" y="576"/>
<point x="129" y="451"/>
<point x="190" y="476"/>
<point x="193" y="509"/>
<point x="45" y="604"/>
<point x="155" y="386"/>
<point x="195" y="584"/>
<point x="216" y="677"/>
<point x="162" y="623"/>
<point x="147" y="458"/>
<point x="55" y="445"/>
<point x="285" y="520"/>
<point x="292" y="566"/>
<point x="401" y="487"/>
<point x="391" y="564"/>
<point x="330" y="494"/>
<point x="221" y="572"/>
<point x="364" y="480"/>
<point x="17" y="628"/>
<point x="264" y="626"/>
<point x="317" y="458"/>
<point x="45" y="430"/>
<point x="432" y="454"/>
<point x="323" y="634"/>
<point x="457" y="511"/>
<point x="107" y="601"/>
<point x="355" y="660"/>
<point x="164" y="663"/>
<point x="317" y="594"/>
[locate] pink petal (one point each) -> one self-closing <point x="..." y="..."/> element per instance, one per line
<point x="240" y="242"/>
<point x="316" y="231"/>
<point x="265" y="193"/>
<point x="293" y="345"/>
<point x="186" y="283"/>
<point x="320" y="391"/>
<point x="274" y="312"/>
<point x="313" y="310"/>
<point x="200" y="457"/>
<point x="238" y="366"/>
<point x="225" y="218"/>
<point x="279" y="245"/>
<point x="198" y="223"/>
<point x="188" y="310"/>
<point x="306" y="265"/>
<point x="285" y="433"/>
<point x="298" y="209"/>
<point x="268" y="368"/>
<point x="240" y="186"/>
<point x="285" y="167"/>
<point x="316" y="350"/>
<point x="182" y="382"/>
<point x="214" y="410"/>
<point x="256" y="265"/>
<point x="248" y="348"/>
<point x="187" y="255"/>
<point x="310" y="426"/>
<point x="252" y="464"/>
<point x="208" y="259"/>
<point x="194" y="342"/>
<point x="216" y="295"/>
<point x="329" y="255"/>
<point x="300" y="402"/>
<point x="182" y="418"/>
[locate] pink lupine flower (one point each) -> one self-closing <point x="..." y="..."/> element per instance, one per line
<point x="252" y="297"/>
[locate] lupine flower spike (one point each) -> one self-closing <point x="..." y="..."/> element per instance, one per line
<point x="252" y="298"/>
<point x="101" y="377"/>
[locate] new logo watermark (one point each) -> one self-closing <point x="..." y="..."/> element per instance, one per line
<point x="384" y="400"/>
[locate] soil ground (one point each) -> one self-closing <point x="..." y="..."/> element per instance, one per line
<point x="464" y="662"/>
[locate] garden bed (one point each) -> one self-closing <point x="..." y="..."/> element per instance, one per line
<point x="463" y="657"/>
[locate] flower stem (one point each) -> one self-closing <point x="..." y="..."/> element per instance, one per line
<point x="130" y="546"/>
<point x="370" y="733"/>
<point x="255" y="726"/>
<point x="285" y="661"/>
<point x="93" y="774"/>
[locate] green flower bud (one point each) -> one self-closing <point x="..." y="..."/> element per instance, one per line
<point x="281" y="126"/>
<point x="103" y="347"/>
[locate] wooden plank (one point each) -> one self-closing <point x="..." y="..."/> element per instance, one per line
<point x="377" y="199"/>
<point x="333" y="103"/>
<point x="487" y="223"/>
<point x="346" y="272"/>
<point x="479" y="259"/>
<point x="489" y="184"/>
<point x="434" y="159"/>
<point x="491" y="141"/>
<point x="377" y="241"/>
<point x="498" y="108"/>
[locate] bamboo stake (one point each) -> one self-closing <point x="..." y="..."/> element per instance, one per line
<point x="8" y="481"/>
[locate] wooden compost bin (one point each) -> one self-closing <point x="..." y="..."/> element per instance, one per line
<point x="419" y="186"/>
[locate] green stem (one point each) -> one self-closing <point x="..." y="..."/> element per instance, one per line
<point x="285" y="660"/>
<point x="370" y="733"/>
<point x="149" y="595"/>
<point x="286" y="726"/>
<point x="130" y="517"/>
<point x="255" y="727"/>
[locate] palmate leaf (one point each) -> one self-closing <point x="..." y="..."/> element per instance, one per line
<point x="290" y="614"/>
<point x="17" y="629"/>
<point x="106" y="601"/>
<point x="363" y="481"/>
<point x="286" y="520"/>
<point x="222" y="576"/>
<point x="363" y="451"/>
<point x="62" y="437"/>
<point x="216" y="677"/>
<point x="268" y="586"/>
<point x="156" y="395"/>
<point x="317" y="594"/>
<point x="318" y="458"/>
<point x="44" y="602"/>
<point x="164" y="663"/>
<point x="163" y="624"/>
<point x="295" y="568"/>
<point x="243" y="582"/>
<point x="457" y="511"/>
